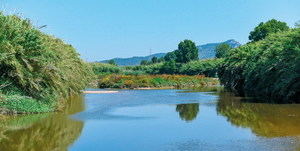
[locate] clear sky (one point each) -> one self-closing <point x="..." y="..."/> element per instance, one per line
<point x="103" y="29"/>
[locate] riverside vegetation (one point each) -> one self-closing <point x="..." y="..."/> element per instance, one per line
<point x="155" y="81"/>
<point x="267" y="68"/>
<point x="37" y="70"/>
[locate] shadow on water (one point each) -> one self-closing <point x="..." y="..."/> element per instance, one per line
<point x="188" y="112"/>
<point x="103" y="107"/>
<point x="47" y="132"/>
<point x="266" y="120"/>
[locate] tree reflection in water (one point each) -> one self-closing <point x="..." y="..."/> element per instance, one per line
<point x="188" y="112"/>
<point x="47" y="132"/>
<point x="267" y="120"/>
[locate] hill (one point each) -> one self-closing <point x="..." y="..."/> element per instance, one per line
<point x="205" y="52"/>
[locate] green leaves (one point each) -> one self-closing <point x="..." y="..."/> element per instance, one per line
<point x="269" y="69"/>
<point x="187" y="51"/>
<point x="222" y="50"/>
<point x="264" y="29"/>
<point x="37" y="64"/>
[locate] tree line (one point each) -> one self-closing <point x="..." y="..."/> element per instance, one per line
<point x="267" y="67"/>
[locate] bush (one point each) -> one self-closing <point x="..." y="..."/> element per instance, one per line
<point x="207" y="67"/>
<point x="102" y="68"/>
<point x="268" y="69"/>
<point x="146" y="69"/>
<point x="169" y="67"/>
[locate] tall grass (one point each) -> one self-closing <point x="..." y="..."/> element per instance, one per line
<point x="36" y="67"/>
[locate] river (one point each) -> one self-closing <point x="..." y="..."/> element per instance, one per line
<point x="157" y="120"/>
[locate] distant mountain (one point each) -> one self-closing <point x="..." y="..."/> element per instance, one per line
<point x="205" y="52"/>
<point x="208" y="50"/>
<point x="132" y="61"/>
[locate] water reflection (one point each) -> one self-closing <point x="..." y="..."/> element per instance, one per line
<point x="267" y="120"/>
<point x="188" y="112"/>
<point x="47" y="132"/>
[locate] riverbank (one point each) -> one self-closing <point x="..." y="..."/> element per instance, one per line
<point x="38" y="71"/>
<point x="155" y="81"/>
<point x="98" y="92"/>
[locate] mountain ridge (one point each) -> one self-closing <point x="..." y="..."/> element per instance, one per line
<point x="206" y="51"/>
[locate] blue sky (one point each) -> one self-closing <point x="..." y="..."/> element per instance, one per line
<point x="103" y="29"/>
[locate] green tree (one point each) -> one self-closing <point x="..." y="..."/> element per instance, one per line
<point x="264" y="29"/>
<point x="169" y="67"/>
<point x="170" y="56"/>
<point x="222" y="50"/>
<point x="154" y="59"/>
<point x="188" y="112"/>
<point x="162" y="59"/>
<point x="187" y="51"/>
<point x="112" y="62"/>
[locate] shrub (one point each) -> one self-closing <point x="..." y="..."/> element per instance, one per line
<point x="269" y="69"/>
<point x="102" y="68"/>
<point x="207" y="67"/>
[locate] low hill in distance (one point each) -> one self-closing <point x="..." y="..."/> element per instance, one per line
<point x="205" y="52"/>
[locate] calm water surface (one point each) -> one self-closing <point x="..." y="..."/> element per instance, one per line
<point x="157" y="120"/>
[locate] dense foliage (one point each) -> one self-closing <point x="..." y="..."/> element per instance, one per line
<point x="36" y="69"/>
<point x="264" y="29"/>
<point x="222" y="50"/>
<point x="103" y="68"/>
<point x="207" y="67"/>
<point x="187" y="51"/>
<point x="269" y="69"/>
<point x="170" y="56"/>
<point x="141" y="81"/>
<point x="188" y="112"/>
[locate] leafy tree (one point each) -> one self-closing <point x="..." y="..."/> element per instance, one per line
<point x="208" y="67"/>
<point x="187" y="51"/>
<point x="188" y="112"/>
<point x="170" y="56"/>
<point x="162" y="59"/>
<point x="264" y="29"/>
<point x="169" y="67"/>
<point x="154" y="59"/>
<point x="112" y="62"/>
<point x="222" y="50"/>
